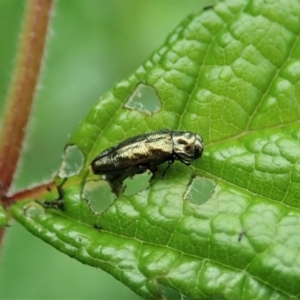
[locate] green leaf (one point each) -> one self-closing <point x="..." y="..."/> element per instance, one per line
<point x="228" y="226"/>
<point x="3" y="217"/>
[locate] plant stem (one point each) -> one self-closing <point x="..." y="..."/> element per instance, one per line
<point x="32" y="192"/>
<point x="23" y="86"/>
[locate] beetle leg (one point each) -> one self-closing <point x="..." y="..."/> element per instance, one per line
<point x="170" y="162"/>
<point x="153" y="169"/>
<point x="58" y="202"/>
<point x="142" y="169"/>
<point x="59" y="188"/>
<point x="186" y="163"/>
<point x="117" y="186"/>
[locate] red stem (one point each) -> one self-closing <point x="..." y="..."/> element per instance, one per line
<point x="33" y="193"/>
<point x="21" y="93"/>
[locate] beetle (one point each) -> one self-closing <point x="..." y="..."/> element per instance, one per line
<point x="146" y="151"/>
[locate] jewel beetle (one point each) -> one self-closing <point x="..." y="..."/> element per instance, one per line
<point x="147" y="151"/>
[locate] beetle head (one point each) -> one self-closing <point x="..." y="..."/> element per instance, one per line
<point x="188" y="146"/>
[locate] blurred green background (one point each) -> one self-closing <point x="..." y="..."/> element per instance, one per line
<point x="92" y="45"/>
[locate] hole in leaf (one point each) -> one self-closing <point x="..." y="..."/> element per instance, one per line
<point x="200" y="190"/>
<point x="144" y="98"/>
<point x="137" y="184"/>
<point x="98" y="195"/>
<point x="72" y="162"/>
<point x="32" y="209"/>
